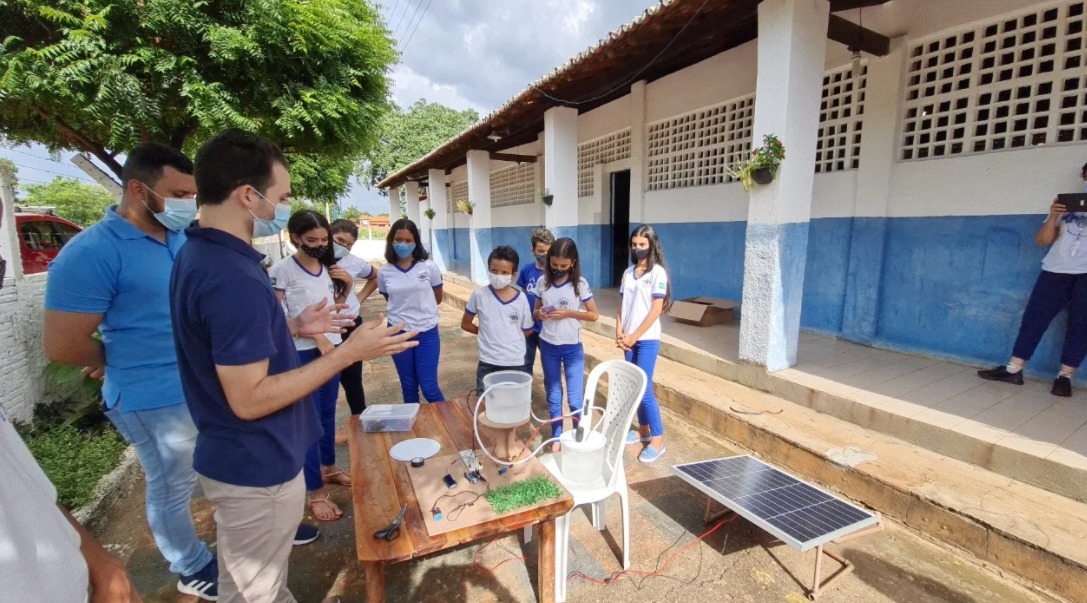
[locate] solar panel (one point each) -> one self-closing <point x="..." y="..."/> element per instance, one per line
<point x="801" y="515"/>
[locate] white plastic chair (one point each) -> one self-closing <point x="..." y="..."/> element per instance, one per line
<point x="626" y="386"/>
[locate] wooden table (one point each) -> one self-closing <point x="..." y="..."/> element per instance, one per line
<point x="381" y="485"/>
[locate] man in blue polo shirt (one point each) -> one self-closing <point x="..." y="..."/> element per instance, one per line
<point x="245" y="386"/>
<point x="114" y="279"/>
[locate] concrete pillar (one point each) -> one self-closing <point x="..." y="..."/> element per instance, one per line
<point x="637" y="153"/>
<point x="425" y="224"/>
<point x="439" y="233"/>
<point x="394" y="204"/>
<point x="411" y="201"/>
<point x="792" y="48"/>
<point x="9" y="233"/>
<point x="860" y="313"/>
<point x="479" y="194"/>
<point x="560" y="170"/>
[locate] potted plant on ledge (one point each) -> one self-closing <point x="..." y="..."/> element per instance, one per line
<point x="546" y="196"/>
<point x="430" y="213"/>
<point x="465" y="206"/>
<point x="762" y="168"/>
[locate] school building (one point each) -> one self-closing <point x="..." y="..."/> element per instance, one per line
<point x="925" y="141"/>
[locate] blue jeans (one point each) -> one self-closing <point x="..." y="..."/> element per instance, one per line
<point x="558" y="360"/>
<point x="418" y="368"/>
<point x="323" y="451"/>
<point x="644" y="354"/>
<point x="1052" y="293"/>
<point x="531" y="343"/>
<point x="164" y="439"/>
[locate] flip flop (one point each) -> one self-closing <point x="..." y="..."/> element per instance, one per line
<point x="341" y="477"/>
<point x="331" y="506"/>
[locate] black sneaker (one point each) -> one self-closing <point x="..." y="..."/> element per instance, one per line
<point x="1001" y="373"/>
<point x="305" y="534"/>
<point x="1062" y="386"/>
<point x="203" y="584"/>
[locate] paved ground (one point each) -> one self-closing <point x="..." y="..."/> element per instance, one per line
<point x="737" y="562"/>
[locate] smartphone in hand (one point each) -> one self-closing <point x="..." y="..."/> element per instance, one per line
<point x="547" y="309"/>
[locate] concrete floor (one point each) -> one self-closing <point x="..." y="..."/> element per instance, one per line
<point x="738" y="562"/>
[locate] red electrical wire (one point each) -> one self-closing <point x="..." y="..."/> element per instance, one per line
<point x="614" y="577"/>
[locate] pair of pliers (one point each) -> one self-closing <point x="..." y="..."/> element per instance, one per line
<point x="390" y="532"/>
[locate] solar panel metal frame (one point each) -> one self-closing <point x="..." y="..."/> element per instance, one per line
<point x="741" y="509"/>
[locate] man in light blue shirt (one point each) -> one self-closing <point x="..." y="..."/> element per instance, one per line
<point x="114" y="279"/>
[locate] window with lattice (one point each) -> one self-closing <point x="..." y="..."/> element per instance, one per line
<point x="1014" y="81"/>
<point x="606" y="149"/>
<point x="513" y="185"/>
<point x="694" y="149"/>
<point x="458" y="192"/>
<point x="838" y="145"/>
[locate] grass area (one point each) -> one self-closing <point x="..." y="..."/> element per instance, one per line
<point x="70" y="437"/>
<point x="75" y="461"/>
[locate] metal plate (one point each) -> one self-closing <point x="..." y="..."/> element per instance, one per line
<point x="800" y="514"/>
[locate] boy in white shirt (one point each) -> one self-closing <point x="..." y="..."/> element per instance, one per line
<point x="505" y="318"/>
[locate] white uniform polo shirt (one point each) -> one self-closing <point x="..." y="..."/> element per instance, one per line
<point x="1068" y="255"/>
<point x="638" y="295"/>
<point x="360" y="270"/>
<point x="301" y="289"/>
<point x="502" y="326"/>
<point x="568" y="330"/>
<point x="411" y="294"/>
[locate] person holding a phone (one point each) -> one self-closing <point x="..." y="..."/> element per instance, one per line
<point x="1061" y="284"/>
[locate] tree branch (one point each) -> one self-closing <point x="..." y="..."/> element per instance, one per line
<point x="177" y="139"/>
<point x="81" y="141"/>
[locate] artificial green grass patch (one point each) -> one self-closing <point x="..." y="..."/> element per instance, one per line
<point x="524" y="493"/>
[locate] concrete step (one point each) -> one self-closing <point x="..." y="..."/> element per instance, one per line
<point x="1012" y="527"/>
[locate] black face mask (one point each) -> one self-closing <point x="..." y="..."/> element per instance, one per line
<point x="557" y="274"/>
<point x="314" y="252"/>
<point x="640" y="254"/>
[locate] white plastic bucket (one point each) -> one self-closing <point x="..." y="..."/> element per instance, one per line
<point x="508" y="397"/>
<point x="582" y="462"/>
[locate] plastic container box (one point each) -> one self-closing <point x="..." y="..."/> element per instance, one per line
<point x="389" y="417"/>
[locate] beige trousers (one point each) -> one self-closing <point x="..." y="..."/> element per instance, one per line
<point x="255" y="532"/>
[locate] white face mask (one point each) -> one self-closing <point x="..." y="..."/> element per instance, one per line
<point x="340" y="250"/>
<point x="500" y="281"/>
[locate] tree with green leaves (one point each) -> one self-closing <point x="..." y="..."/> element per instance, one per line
<point x="100" y="76"/>
<point x="351" y="213"/>
<point x="73" y="200"/>
<point x="13" y="171"/>
<point x="407" y="136"/>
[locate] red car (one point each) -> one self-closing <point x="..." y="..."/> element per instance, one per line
<point x="41" y="235"/>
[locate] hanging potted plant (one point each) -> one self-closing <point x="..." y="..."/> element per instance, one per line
<point x="762" y="168"/>
<point x="465" y="206"/>
<point x="430" y="213"/>
<point x="546" y="196"/>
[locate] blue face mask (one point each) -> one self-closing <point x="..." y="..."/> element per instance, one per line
<point x="403" y="250"/>
<point x="176" y="214"/>
<point x="340" y="250"/>
<point x="267" y="228"/>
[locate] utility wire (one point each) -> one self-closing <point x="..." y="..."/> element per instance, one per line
<point x="27" y="167"/>
<point x="397" y="28"/>
<point x="405" y="45"/>
<point x="406" y="28"/>
<point x="635" y="76"/>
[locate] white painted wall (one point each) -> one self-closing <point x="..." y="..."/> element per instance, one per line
<point x="604" y="119"/>
<point x="712" y="81"/>
<point x="21" y="358"/>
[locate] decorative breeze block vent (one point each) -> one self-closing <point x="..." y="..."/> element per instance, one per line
<point x="1010" y="82"/>
<point x="694" y="148"/>
<point x="838" y="146"/>
<point x="513" y="185"/>
<point x="458" y="191"/>
<point x="606" y="149"/>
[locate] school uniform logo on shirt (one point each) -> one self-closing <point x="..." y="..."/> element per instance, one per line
<point x="422" y="277"/>
<point x="273" y="279"/>
<point x="564" y="303"/>
<point x="515" y="318"/>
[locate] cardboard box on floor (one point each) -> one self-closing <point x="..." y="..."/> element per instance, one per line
<point x="704" y="311"/>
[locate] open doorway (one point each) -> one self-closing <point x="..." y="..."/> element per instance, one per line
<point x="620" y="224"/>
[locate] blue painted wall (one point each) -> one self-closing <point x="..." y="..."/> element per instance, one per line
<point x="705" y="258"/>
<point x="825" y="274"/>
<point x="516" y="237"/>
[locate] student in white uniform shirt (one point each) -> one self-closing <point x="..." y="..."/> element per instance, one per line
<point x="412" y="285"/>
<point x="344" y="235"/>
<point x="563" y="302"/>
<point x="646" y="294"/>
<point x="505" y="319"/>
<point x="300" y="280"/>
<point x="1061" y="284"/>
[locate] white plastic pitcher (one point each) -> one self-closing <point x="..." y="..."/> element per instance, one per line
<point x="509" y="397"/>
<point x="582" y="462"/>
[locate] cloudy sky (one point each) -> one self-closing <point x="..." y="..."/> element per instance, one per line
<point x="462" y="53"/>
